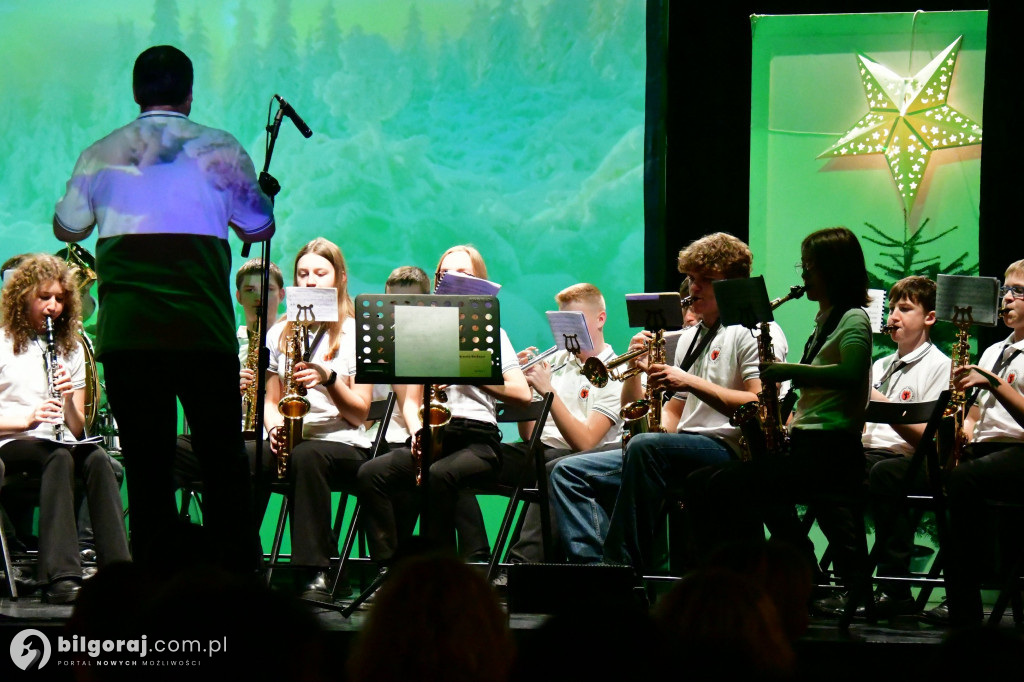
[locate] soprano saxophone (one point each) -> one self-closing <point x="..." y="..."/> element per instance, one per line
<point x="294" y="406"/>
<point x="760" y="422"/>
<point x="252" y="360"/>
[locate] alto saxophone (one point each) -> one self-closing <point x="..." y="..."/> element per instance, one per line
<point x="644" y="415"/>
<point x="50" y="358"/>
<point x="438" y="418"/>
<point x="951" y="438"/>
<point x="294" y="405"/>
<point x="252" y="361"/>
<point x="760" y="422"/>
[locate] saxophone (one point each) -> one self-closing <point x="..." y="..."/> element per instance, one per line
<point x="50" y="358"/>
<point x="252" y="361"/>
<point x="760" y="422"/>
<point x="951" y="438"/>
<point x="438" y="418"/>
<point x="293" y="405"/>
<point x="644" y="415"/>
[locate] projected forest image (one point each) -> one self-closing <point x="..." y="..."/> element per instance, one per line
<point x="516" y="126"/>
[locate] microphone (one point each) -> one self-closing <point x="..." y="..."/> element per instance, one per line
<point x="296" y="119"/>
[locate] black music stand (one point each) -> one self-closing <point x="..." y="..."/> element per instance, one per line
<point x="655" y="311"/>
<point x="383" y="358"/>
<point x="743" y="301"/>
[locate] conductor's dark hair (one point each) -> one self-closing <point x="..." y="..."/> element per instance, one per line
<point x="162" y="76"/>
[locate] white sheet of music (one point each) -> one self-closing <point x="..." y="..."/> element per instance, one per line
<point x="570" y="323"/>
<point x="312" y="304"/>
<point x="876" y="309"/>
<point x="426" y="341"/>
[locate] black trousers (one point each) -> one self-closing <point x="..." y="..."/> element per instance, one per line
<point x="317" y="468"/>
<point x="143" y="390"/>
<point x="987" y="472"/>
<point x="387" y="486"/>
<point x="894" y="530"/>
<point x="56" y="466"/>
<point x="188" y="472"/>
<point x="734" y="501"/>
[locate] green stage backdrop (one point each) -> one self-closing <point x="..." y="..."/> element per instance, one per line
<point x="515" y="125"/>
<point x="807" y="93"/>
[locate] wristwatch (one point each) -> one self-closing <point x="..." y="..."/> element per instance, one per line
<point x="330" y="380"/>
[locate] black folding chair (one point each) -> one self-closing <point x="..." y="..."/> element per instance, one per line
<point x="508" y="413"/>
<point x="379" y="410"/>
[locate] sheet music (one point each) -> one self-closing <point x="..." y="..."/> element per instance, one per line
<point x="570" y="322"/>
<point x="311" y="304"/>
<point x="460" y="284"/>
<point x="876" y="309"/>
<point x="426" y="341"/>
<point x="980" y="294"/>
<point x="671" y="341"/>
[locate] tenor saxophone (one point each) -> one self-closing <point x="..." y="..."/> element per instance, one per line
<point x="644" y="415"/>
<point x="951" y="438"/>
<point x="294" y="406"/>
<point x="435" y="421"/>
<point x="760" y="422"/>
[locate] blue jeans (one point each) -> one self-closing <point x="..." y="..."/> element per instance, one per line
<point x="655" y="464"/>
<point x="582" y="488"/>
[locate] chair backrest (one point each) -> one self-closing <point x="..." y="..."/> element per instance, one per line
<point x="929" y="413"/>
<point x="380" y="412"/>
<point x="536" y="411"/>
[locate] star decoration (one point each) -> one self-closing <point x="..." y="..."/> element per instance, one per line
<point x="908" y="118"/>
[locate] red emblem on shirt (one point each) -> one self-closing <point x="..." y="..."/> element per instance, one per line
<point x="1011" y="377"/>
<point x="584" y="392"/>
<point x="715" y="352"/>
<point x="907" y="395"/>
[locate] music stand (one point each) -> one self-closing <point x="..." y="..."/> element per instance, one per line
<point x="655" y="311"/>
<point x="425" y="339"/>
<point x="967" y="300"/>
<point x="743" y="301"/>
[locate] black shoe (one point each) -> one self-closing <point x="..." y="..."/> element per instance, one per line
<point x="24" y="581"/>
<point x="830" y="606"/>
<point x="887" y="607"/>
<point x="937" y="616"/>
<point x="88" y="555"/>
<point x="63" y="591"/>
<point x="318" y="590"/>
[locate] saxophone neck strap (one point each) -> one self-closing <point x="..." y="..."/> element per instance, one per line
<point x="316" y="342"/>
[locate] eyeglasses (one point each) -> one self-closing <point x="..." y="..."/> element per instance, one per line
<point x="1016" y="289"/>
<point x="803" y="267"/>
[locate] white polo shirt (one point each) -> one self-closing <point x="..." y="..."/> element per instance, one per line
<point x="24" y="385"/>
<point x="919" y="376"/>
<point x="995" y="423"/>
<point x="471" y="402"/>
<point x="728" y="360"/>
<point x="581" y="398"/>
<point x="324" y="421"/>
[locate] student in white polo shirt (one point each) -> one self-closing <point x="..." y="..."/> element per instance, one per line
<point x="917" y="372"/>
<point x="722" y="374"/>
<point x="992" y="468"/>
<point x="584" y="418"/>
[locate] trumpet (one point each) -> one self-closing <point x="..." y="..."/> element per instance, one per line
<point x="598" y="373"/>
<point x="538" y="358"/>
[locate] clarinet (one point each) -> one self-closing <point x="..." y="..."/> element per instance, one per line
<point x="50" y="358"/>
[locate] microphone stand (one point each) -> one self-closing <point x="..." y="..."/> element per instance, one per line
<point x="270" y="187"/>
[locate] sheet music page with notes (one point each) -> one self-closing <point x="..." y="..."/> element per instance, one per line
<point x="876" y="309"/>
<point x="570" y="323"/>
